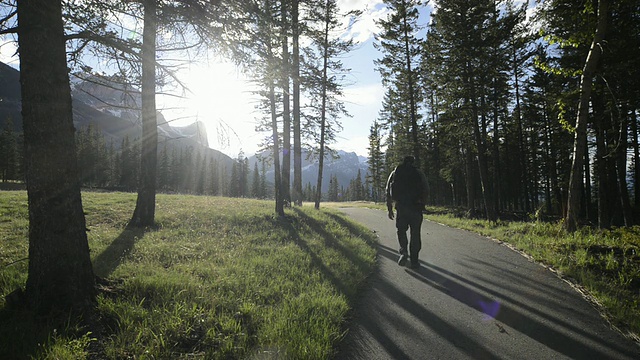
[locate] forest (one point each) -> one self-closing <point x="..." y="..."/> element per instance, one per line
<point x="106" y="166"/>
<point x="515" y="111"/>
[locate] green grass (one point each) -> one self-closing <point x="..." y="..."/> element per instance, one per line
<point x="219" y="278"/>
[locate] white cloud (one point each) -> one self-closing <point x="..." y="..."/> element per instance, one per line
<point x="365" y="27"/>
<point x="8" y="52"/>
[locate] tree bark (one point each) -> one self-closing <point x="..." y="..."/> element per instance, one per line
<point x="621" y="170"/>
<point x="470" y="183"/>
<point x="579" y="148"/>
<point x="276" y="151"/>
<point x="297" y="137"/>
<point x="323" y="110"/>
<point x="636" y="162"/>
<point x="286" y="109"/>
<point x="144" y="213"/>
<point x="523" y="168"/>
<point x="60" y="276"/>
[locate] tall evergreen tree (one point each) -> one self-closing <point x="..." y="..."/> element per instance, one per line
<point x="399" y="67"/>
<point x="255" y="183"/>
<point x="144" y="212"/>
<point x="377" y="175"/>
<point x="325" y="80"/>
<point x="580" y="140"/>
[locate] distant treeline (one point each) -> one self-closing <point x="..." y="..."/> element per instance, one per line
<point x="110" y="165"/>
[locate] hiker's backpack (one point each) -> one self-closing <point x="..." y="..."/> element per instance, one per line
<point x="406" y="187"/>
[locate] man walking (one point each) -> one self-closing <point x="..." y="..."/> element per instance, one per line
<point x="407" y="187"/>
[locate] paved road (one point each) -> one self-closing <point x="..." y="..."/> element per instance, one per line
<point x="472" y="298"/>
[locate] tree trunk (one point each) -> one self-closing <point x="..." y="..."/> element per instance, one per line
<point x="579" y="148"/>
<point x="297" y="137"/>
<point x="144" y="214"/>
<point x="621" y="167"/>
<point x="470" y="183"/>
<point x="412" y="94"/>
<point x="523" y="168"/>
<point x="276" y="151"/>
<point x="60" y="276"/>
<point x="602" y="165"/>
<point x="323" y="110"/>
<point x="588" y="206"/>
<point x="286" y="112"/>
<point x="636" y="162"/>
<point x="483" y="166"/>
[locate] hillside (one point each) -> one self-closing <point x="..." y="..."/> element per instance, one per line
<point x="113" y="110"/>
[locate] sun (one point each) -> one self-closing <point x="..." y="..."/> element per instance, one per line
<point x="224" y="99"/>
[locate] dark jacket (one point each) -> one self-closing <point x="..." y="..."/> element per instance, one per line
<point x="420" y="197"/>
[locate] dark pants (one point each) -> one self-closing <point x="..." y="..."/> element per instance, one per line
<point x="409" y="217"/>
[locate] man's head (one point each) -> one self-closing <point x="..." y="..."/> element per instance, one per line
<point x="409" y="160"/>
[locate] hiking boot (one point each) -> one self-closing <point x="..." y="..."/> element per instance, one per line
<point x="402" y="261"/>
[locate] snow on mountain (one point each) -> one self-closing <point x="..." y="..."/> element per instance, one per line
<point x="345" y="168"/>
<point x="108" y="106"/>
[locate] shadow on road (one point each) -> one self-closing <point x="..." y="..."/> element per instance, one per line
<point x="460" y="289"/>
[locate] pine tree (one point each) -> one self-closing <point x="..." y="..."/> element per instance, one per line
<point x="376" y="177"/>
<point x="214" y="177"/>
<point x="234" y="182"/>
<point x="580" y="140"/>
<point x="255" y="183"/>
<point x="8" y="153"/>
<point x="263" y="180"/>
<point x="399" y="67"/>
<point x="325" y="81"/>
<point x="163" y="168"/>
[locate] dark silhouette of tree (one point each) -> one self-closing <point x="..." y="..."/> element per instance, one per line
<point x="60" y="276"/>
<point x="580" y="140"/>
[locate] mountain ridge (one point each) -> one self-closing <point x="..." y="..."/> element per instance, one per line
<point x="115" y="111"/>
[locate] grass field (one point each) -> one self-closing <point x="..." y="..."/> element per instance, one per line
<point x="219" y="278"/>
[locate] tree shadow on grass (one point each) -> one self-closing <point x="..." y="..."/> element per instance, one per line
<point x="292" y="225"/>
<point x="108" y="260"/>
<point x="330" y="240"/>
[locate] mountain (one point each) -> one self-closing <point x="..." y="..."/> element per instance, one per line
<point x="345" y="168"/>
<point x="108" y="107"/>
<point x="115" y="111"/>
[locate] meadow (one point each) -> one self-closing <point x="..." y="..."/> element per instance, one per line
<point x="218" y="278"/>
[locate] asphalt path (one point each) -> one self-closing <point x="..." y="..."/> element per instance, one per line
<point x="472" y="298"/>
